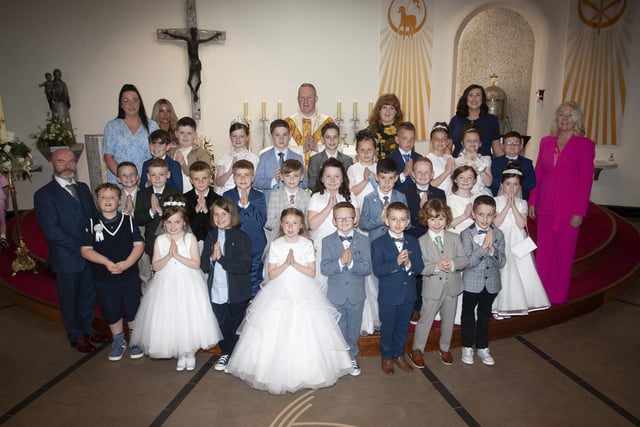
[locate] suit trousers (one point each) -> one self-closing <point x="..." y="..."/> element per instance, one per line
<point x="77" y="296"/>
<point x="350" y="323"/>
<point x="229" y="317"/>
<point x="446" y="305"/>
<point x="394" y="328"/>
<point x="469" y="325"/>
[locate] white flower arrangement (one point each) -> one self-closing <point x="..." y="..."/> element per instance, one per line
<point x="15" y="156"/>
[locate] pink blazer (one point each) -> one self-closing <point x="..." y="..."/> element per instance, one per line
<point x="563" y="189"/>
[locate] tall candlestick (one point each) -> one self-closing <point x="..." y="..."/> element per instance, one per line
<point x="339" y="110"/>
<point x="279" y="109"/>
<point x="355" y="109"/>
<point x="370" y="107"/>
<point x="245" y="110"/>
<point x="263" y="110"/>
<point x="3" y="124"/>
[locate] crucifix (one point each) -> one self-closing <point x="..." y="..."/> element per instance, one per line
<point x="193" y="37"/>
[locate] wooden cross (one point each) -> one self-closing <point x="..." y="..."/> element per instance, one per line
<point x="193" y="37"/>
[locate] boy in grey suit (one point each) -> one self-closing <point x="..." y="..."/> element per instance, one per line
<point x="444" y="258"/>
<point x="346" y="261"/>
<point x="484" y="245"/>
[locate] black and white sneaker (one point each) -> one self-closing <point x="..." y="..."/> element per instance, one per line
<point x="4" y="244"/>
<point x="355" y="368"/>
<point x="221" y="364"/>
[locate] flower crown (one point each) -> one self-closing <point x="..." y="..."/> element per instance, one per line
<point x="239" y="120"/>
<point x="512" y="171"/>
<point x="173" y="203"/>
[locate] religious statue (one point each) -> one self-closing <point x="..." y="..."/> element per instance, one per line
<point x="60" y="102"/>
<point x="195" y="66"/>
<point x="48" y="89"/>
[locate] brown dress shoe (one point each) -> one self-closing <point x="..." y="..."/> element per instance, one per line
<point x="84" y="346"/>
<point x="415" y="317"/>
<point x="403" y="364"/>
<point x="387" y="366"/>
<point x="96" y="337"/>
<point x="415" y="358"/>
<point x="446" y="357"/>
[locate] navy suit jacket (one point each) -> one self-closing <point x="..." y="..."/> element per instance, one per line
<point x="349" y="284"/>
<point x="395" y="285"/>
<point x="413" y="202"/>
<point x="397" y="157"/>
<point x="252" y="218"/>
<point x="63" y="221"/>
<point x="174" y="181"/>
<point x="528" y="174"/>
<point x="236" y="261"/>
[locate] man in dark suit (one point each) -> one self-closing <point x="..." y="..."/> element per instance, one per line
<point x="63" y="208"/>
<point x="331" y="139"/>
<point x="512" y="145"/>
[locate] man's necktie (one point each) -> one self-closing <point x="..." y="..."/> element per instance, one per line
<point x="73" y="188"/>
<point x="438" y="240"/>
<point x="281" y="158"/>
<point x="386" y="200"/>
<point x="292" y="199"/>
<point x="159" y="196"/>
<point x="406" y="157"/>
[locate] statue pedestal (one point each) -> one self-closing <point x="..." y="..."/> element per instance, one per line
<point x="77" y="149"/>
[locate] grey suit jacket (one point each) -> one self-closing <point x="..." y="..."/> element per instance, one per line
<point x="371" y="213"/>
<point x="279" y="201"/>
<point x="345" y="285"/>
<point x="317" y="160"/>
<point x="483" y="269"/>
<point x="123" y="202"/>
<point x="435" y="283"/>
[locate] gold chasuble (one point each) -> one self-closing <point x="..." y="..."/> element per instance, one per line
<point x="301" y="127"/>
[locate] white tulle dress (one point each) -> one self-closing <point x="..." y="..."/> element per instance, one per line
<point x="289" y="339"/>
<point x="522" y="290"/>
<point x="175" y="317"/>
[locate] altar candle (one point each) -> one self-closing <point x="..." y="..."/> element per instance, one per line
<point x="246" y="109"/>
<point x="355" y="109"/>
<point x="279" y="109"/>
<point x="339" y="110"/>
<point x="263" y="110"/>
<point x="3" y="124"/>
<point x="370" y="107"/>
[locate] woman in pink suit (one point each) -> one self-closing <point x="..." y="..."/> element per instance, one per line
<point x="564" y="172"/>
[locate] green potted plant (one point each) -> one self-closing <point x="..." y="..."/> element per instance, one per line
<point x="54" y="136"/>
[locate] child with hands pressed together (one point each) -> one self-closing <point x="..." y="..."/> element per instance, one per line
<point x="239" y="136"/>
<point x="175" y="318"/>
<point x="470" y="156"/>
<point x="461" y="199"/>
<point x="362" y="173"/>
<point x="443" y="163"/>
<point x="289" y="339"/>
<point x="113" y="244"/>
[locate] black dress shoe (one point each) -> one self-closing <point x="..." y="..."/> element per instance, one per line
<point x="96" y="337"/>
<point x="84" y="346"/>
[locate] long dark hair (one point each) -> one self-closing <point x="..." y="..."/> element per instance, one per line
<point x="142" y="113"/>
<point x="463" y="109"/>
<point x="344" y="187"/>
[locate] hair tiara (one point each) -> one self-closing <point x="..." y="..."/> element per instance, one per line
<point x="173" y="203"/>
<point x="439" y="126"/>
<point x="239" y="120"/>
<point x="512" y="171"/>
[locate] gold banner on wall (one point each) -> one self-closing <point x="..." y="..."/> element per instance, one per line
<point x="405" y="59"/>
<point x="596" y="62"/>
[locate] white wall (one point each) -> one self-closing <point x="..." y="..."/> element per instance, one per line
<point x="271" y="48"/>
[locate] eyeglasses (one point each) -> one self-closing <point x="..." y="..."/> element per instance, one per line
<point x="344" y="219"/>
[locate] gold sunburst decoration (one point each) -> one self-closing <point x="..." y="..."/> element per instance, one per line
<point x="596" y="63"/>
<point x="405" y="59"/>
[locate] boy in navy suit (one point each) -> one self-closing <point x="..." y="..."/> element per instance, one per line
<point x="268" y="175"/>
<point x="396" y="259"/>
<point x="158" y="146"/>
<point x="252" y="209"/>
<point x="376" y="202"/>
<point x="484" y="246"/>
<point x="405" y="155"/>
<point x="346" y="261"/>
<point x="512" y="145"/>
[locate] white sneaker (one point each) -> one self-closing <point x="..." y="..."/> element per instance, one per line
<point x="467" y="355"/>
<point x="485" y="356"/>
<point x="355" y="368"/>
<point x="182" y="363"/>
<point x="221" y="364"/>
<point x="191" y="362"/>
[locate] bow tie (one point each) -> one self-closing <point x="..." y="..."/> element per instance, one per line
<point x="347" y="238"/>
<point x="481" y="231"/>
<point x="398" y="240"/>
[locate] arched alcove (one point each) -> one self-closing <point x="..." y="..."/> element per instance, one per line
<point x="498" y="40"/>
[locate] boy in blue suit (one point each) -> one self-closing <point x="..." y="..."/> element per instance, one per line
<point x="512" y="145"/>
<point x="484" y="245"/>
<point x="158" y="146"/>
<point x="376" y="202"/>
<point x="405" y="155"/>
<point x="346" y="261"/>
<point x="268" y="176"/>
<point x="396" y="259"/>
<point x="252" y="209"/>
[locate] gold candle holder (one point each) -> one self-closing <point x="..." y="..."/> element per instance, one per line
<point x="23" y="261"/>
